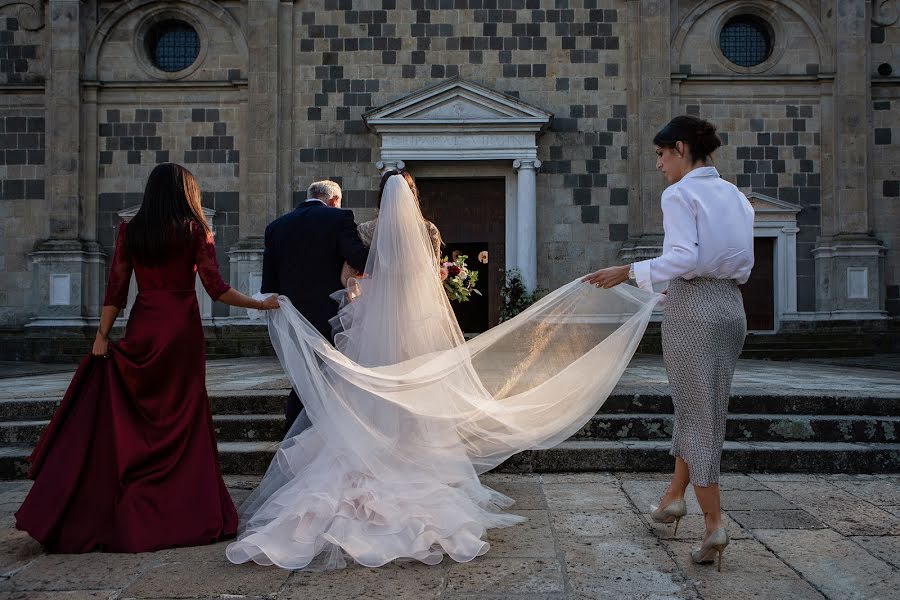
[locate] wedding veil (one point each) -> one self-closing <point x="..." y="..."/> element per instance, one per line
<point x="404" y="411"/>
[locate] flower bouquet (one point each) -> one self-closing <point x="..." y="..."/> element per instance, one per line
<point x="459" y="281"/>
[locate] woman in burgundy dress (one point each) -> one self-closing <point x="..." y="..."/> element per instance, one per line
<point x="129" y="461"/>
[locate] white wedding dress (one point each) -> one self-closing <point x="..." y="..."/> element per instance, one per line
<point x="405" y="414"/>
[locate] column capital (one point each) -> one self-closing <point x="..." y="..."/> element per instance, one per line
<point x="390" y="165"/>
<point x="527" y="163"/>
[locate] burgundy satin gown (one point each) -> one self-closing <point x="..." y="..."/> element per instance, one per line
<point x="129" y="461"/>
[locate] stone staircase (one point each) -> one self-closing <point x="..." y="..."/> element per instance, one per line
<point x="838" y="433"/>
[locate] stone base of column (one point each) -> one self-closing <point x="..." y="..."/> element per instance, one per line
<point x="641" y="248"/>
<point x="245" y="259"/>
<point x="69" y="277"/>
<point x="850" y="276"/>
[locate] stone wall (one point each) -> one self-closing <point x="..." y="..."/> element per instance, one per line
<point x="885" y="50"/>
<point x="773" y="147"/>
<point x="566" y="57"/>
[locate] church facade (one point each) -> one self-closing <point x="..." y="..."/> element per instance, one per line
<point x="527" y="123"/>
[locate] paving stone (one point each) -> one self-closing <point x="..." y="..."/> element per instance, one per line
<point x="749" y="570"/>
<point x="528" y="495"/>
<point x="582" y="496"/>
<point x="839" y="509"/>
<point x="621" y="564"/>
<point x="201" y="579"/>
<point x="614" y="594"/>
<point x="578" y="478"/>
<point x="731" y="481"/>
<point x="885" y="547"/>
<point x="77" y="595"/>
<point x="399" y="580"/>
<point x="512" y="575"/>
<point x="531" y="539"/>
<point x="81" y="572"/>
<point x="208" y="553"/>
<point x="881" y="492"/>
<point x="647" y="493"/>
<point x="776" y="519"/>
<point x="693" y="527"/>
<point x="833" y="564"/>
<point x="767" y="477"/>
<point x="753" y="500"/>
<point x="17" y="549"/>
<point x="590" y="524"/>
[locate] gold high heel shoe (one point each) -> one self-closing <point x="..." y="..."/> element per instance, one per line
<point x="674" y="511"/>
<point x="714" y="544"/>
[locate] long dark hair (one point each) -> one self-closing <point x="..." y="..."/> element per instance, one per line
<point x="162" y="226"/>
<point x="409" y="180"/>
<point x="699" y="135"/>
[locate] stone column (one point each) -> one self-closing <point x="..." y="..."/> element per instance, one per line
<point x="260" y="204"/>
<point x="390" y="165"/>
<point x="69" y="265"/>
<point x="849" y="260"/>
<point x="649" y="109"/>
<point x="526" y="220"/>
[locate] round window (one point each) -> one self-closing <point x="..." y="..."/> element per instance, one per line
<point x="173" y="45"/>
<point x="746" y="40"/>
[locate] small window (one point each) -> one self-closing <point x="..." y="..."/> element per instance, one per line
<point x="746" y="40"/>
<point x="173" y="45"/>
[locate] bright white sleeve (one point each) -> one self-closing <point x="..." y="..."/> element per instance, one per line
<point x="681" y="241"/>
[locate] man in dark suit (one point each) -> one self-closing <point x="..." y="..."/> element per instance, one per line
<point x="304" y="254"/>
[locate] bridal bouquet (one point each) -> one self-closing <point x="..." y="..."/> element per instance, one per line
<point x="459" y="281"/>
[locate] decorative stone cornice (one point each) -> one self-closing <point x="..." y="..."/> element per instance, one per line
<point x="457" y="120"/>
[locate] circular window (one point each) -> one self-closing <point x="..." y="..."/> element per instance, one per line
<point x="746" y="40"/>
<point x="172" y="45"/>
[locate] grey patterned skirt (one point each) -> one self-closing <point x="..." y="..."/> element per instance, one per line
<point x="703" y="331"/>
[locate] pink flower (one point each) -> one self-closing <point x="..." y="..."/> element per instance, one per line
<point x="443" y="273"/>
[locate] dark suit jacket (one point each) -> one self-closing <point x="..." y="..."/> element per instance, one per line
<point x="305" y="252"/>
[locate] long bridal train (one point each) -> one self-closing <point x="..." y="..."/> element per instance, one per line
<point x="405" y="414"/>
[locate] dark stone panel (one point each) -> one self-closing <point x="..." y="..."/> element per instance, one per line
<point x="618" y="232"/>
<point x="590" y="214"/>
<point x="618" y="197"/>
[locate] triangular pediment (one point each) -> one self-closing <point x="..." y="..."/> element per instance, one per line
<point x="767" y="204"/>
<point x="457" y="102"/>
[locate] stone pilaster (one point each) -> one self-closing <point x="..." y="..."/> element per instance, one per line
<point x="68" y="267"/>
<point x="649" y="108"/>
<point x="849" y="260"/>
<point x="262" y="199"/>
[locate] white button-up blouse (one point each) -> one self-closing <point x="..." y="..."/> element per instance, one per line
<point x="708" y="226"/>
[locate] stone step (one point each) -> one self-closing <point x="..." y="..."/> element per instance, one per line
<point x="747" y="427"/>
<point x="229" y="428"/>
<point x="252" y="458"/>
<point x="748" y="457"/>
<point x="271" y="403"/>
<point x="617" y="426"/>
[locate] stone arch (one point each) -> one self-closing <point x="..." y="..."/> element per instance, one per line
<point x="824" y="48"/>
<point x="111" y="20"/>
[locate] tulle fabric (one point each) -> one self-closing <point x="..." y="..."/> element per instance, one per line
<point x="402" y="414"/>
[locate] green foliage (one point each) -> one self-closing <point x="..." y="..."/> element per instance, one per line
<point x="514" y="298"/>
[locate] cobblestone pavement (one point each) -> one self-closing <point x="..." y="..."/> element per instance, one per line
<point x="587" y="536"/>
<point x="645" y="374"/>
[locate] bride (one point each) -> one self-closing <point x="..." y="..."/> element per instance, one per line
<point x="405" y="414"/>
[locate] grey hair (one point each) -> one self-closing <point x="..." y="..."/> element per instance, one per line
<point x="323" y="190"/>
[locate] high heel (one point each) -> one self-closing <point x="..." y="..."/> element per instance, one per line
<point x="673" y="511"/>
<point x="713" y="546"/>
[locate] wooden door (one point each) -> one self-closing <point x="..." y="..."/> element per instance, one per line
<point x="471" y="214"/>
<point x="759" y="291"/>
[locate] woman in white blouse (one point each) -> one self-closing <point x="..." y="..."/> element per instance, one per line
<point x="707" y="253"/>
